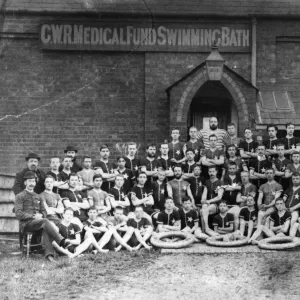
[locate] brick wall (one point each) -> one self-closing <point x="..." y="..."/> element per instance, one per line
<point x="95" y="98"/>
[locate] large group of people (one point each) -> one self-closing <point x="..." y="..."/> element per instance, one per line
<point x="214" y="184"/>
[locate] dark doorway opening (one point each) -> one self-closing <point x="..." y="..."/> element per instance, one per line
<point x="212" y="100"/>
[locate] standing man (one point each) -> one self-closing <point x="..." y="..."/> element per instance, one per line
<point x="71" y="151"/>
<point x="194" y="144"/>
<point x="248" y="147"/>
<point x="106" y="168"/>
<point x="150" y="164"/>
<point x="272" y="142"/>
<point x="221" y="134"/>
<point x="87" y="173"/>
<point x="128" y="175"/>
<point x="232" y="138"/>
<point x="280" y="165"/>
<point x="132" y="162"/>
<point x="165" y="160"/>
<point x="189" y="165"/>
<point x="176" y="147"/>
<point x="290" y="141"/>
<point x="66" y="168"/>
<point x="32" y="165"/>
<point x="178" y="188"/>
<point x="31" y="213"/>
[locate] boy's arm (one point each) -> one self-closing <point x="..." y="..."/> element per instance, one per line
<point x="218" y="161"/>
<point x="196" y="225"/>
<point x="175" y="227"/>
<point x="260" y="198"/>
<point x="285" y="227"/>
<point x="190" y="195"/>
<point x="277" y="195"/>
<point x="226" y="229"/>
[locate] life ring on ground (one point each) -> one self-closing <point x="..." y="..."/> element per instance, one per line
<point x="217" y="241"/>
<point x="279" y="243"/>
<point x="187" y="239"/>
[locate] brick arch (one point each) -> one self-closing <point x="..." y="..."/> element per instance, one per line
<point x="196" y="82"/>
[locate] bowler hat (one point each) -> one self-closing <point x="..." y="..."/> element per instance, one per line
<point x="32" y="155"/>
<point x="29" y="175"/>
<point x="70" y="148"/>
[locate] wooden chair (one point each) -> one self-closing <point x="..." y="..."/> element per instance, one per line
<point x="25" y="241"/>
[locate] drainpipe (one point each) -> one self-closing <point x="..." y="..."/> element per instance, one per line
<point x="253" y="53"/>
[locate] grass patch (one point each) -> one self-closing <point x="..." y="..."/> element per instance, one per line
<point x="37" y="279"/>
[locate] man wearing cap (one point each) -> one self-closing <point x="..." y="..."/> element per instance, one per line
<point x="71" y="151"/>
<point x="31" y="213"/>
<point x="32" y="165"/>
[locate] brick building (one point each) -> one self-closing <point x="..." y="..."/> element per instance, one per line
<point x="92" y="72"/>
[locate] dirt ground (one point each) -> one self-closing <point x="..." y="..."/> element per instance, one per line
<point x="152" y="275"/>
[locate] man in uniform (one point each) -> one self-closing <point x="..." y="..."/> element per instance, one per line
<point x="293" y="167"/>
<point x="128" y="174"/>
<point x="150" y="164"/>
<point x="267" y="195"/>
<point x="248" y="147"/>
<point x="290" y="141"/>
<point x="291" y="198"/>
<point x="189" y="165"/>
<point x="221" y="134"/>
<point x="168" y="219"/>
<point x="232" y="138"/>
<point x="71" y="151"/>
<point x="87" y="173"/>
<point x="106" y="168"/>
<point x="165" y="161"/>
<point x="272" y="142"/>
<point x="31" y="212"/>
<point x="76" y="200"/>
<point x="178" y="188"/>
<point x="194" y="144"/>
<point x="132" y="162"/>
<point x="176" y="147"/>
<point x="247" y="189"/>
<point x="32" y="165"/>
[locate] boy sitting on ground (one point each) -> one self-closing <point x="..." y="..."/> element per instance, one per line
<point x="248" y="218"/>
<point x="71" y="232"/>
<point x="224" y="221"/>
<point x="142" y="229"/>
<point x="190" y="220"/>
<point x="279" y="223"/>
<point x="168" y="219"/>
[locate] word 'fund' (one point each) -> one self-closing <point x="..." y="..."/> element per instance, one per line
<point x="129" y="35"/>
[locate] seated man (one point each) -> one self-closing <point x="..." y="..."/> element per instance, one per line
<point x="128" y="175"/>
<point x="232" y="153"/>
<point x="279" y="165"/>
<point x="247" y="189"/>
<point x="293" y="167"/>
<point x="160" y="191"/>
<point x="215" y="193"/>
<point x="279" y="223"/>
<point x="76" y="200"/>
<point x="72" y="232"/>
<point x="143" y="195"/>
<point x="168" y="219"/>
<point x="52" y="202"/>
<point x="232" y="183"/>
<point x="224" y="221"/>
<point x="98" y="198"/>
<point x="291" y="198"/>
<point x="190" y="220"/>
<point x="142" y="229"/>
<point x="267" y="194"/>
<point x="94" y="225"/>
<point x="197" y="191"/>
<point x="31" y="212"/>
<point x="117" y="195"/>
<point x="248" y="218"/>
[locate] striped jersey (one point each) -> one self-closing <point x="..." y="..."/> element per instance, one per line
<point x="221" y="135"/>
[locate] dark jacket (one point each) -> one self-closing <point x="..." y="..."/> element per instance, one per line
<point x="27" y="205"/>
<point x="19" y="185"/>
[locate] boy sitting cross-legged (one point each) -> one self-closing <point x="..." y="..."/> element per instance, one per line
<point x="71" y="232"/>
<point x="248" y="217"/>
<point x="279" y="223"/>
<point x="224" y="221"/>
<point x="190" y="220"/>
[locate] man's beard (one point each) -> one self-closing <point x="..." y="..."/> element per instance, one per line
<point x="33" y="167"/>
<point x="213" y="127"/>
<point x="151" y="155"/>
<point x="178" y="176"/>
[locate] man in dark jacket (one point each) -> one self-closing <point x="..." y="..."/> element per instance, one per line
<point x="71" y="151"/>
<point x="31" y="213"/>
<point x="32" y="165"/>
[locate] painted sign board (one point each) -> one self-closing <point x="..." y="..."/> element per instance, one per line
<point x="145" y="36"/>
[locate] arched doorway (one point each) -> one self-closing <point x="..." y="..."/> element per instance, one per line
<point x="212" y="99"/>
